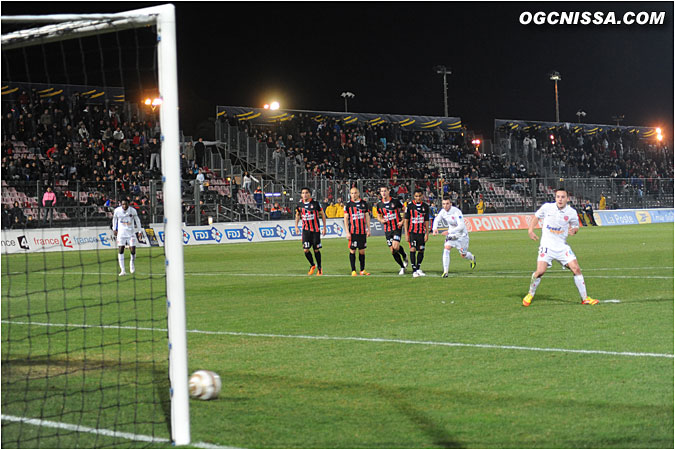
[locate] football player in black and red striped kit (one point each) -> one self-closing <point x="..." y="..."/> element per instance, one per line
<point x="357" y="224"/>
<point x="389" y="215"/>
<point x="416" y="223"/>
<point x="309" y="211"/>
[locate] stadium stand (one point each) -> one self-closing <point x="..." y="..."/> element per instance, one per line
<point x="344" y="152"/>
<point x="599" y="151"/>
<point x="93" y="152"/>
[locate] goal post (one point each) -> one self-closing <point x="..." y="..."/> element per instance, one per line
<point x="173" y="247"/>
<point x="62" y="27"/>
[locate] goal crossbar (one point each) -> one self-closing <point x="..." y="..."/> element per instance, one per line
<point x="65" y="26"/>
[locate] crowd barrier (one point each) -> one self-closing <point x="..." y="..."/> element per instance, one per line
<point x="72" y="239"/>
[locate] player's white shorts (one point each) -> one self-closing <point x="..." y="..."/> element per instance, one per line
<point x="129" y="240"/>
<point x="461" y="244"/>
<point x="564" y="255"/>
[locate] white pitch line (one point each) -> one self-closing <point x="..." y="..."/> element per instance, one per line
<point x="101" y="431"/>
<point x="357" y="339"/>
<point x="302" y="275"/>
<point x="452" y="275"/>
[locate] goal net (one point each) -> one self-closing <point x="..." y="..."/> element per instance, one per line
<point x="93" y="340"/>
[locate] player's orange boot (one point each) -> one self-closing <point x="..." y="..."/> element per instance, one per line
<point x="311" y="270"/>
<point x="354" y="273"/>
<point x="590" y="301"/>
<point x="528" y="299"/>
<point x="319" y="272"/>
<point x="363" y="272"/>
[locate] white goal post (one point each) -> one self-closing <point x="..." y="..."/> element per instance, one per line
<point x="67" y="26"/>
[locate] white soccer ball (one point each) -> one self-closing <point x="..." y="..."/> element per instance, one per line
<point x="204" y="385"/>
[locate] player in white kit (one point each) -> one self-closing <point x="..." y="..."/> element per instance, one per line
<point x="457" y="235"/>
<point x="559" y="221"/>
<point x="126" y="225"/>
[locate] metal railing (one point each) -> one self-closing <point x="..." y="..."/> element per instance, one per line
<point x="92" y="204"/>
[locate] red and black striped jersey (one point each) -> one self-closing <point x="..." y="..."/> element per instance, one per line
<point x="310" y="213"/>
<point x="356" y="212"/>
<point x="417" y="215"/>
<point x="391" y="213"/>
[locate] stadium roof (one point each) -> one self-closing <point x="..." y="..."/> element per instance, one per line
<point x="266" y="116"/>
<point x="587" y="128"/>
<point x="11" y="91"/>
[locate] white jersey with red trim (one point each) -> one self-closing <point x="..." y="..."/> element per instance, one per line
<point x="454" y="220"/>
<point x="556" y="224"/>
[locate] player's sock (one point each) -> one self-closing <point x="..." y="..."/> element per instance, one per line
<point x="352" y="261"/>
<point x="579" y="281"/>
<point x="469" y="256"/>
<point x="318" y="259"/>
<point x="534" y="282"/>
<point x="308" y="255"/>
<point x="397" y="258"/>
<point x="446" y="259"/>
<point x="362" y="261"/>
<point x="132" y="263"/>
<point x="413" y="260"/>
<point x="420" y="257"/>
<point x="120" y="259"/>
<point x="402" y="252"/>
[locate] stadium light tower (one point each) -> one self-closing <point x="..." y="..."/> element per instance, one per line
<point x="581" y="113"/>
<point x="442" y="70"/>
<point x="618" y="118"/>
<point x="347" y="95"/>
<point x="555" y="76"/>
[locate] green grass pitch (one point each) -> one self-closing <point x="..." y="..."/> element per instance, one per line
<point x="384" y="361"/>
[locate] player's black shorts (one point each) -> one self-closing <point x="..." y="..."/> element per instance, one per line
<point x="417" y="241"/>
<point x="311" y="239"/>
<point x="357" y="241"/>
<point x="393" y="236"/>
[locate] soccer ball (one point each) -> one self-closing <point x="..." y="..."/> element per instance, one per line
<point x="204" y="385"/>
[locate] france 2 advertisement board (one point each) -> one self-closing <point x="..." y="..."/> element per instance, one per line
<point x="60" y="239"/>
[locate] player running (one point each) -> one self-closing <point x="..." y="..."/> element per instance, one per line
<point x="357" y="224"/>
<point x="559" y="221"/>
<point x="126" y="226"/>
<point x="309" y="210"/>
<point x="416" y="224"/>
<point x="389" y="215"/>
<point x="457" y="235"/>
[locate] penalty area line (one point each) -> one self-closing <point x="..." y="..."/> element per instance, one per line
<point x="360" y="339"/>
<point x="101" y="431"/>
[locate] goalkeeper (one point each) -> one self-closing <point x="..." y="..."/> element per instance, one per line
<point x="456" y="237"/>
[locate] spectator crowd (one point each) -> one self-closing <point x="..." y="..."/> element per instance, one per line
<point x="616" y="153"/>
<point x="388" y="151"/>
<point x="105" y="149"/>
<point x="61" y="141"/>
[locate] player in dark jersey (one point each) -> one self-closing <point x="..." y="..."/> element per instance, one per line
<point x="389" y="215"/>
<point x="416" y="223"/>
<point x="309" y="211"/>
<point x="357" y="224"/>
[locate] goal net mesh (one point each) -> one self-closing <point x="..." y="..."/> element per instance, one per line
<point x="84" y="350"/>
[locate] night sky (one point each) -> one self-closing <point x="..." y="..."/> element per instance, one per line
<point x="305" y="54"/>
